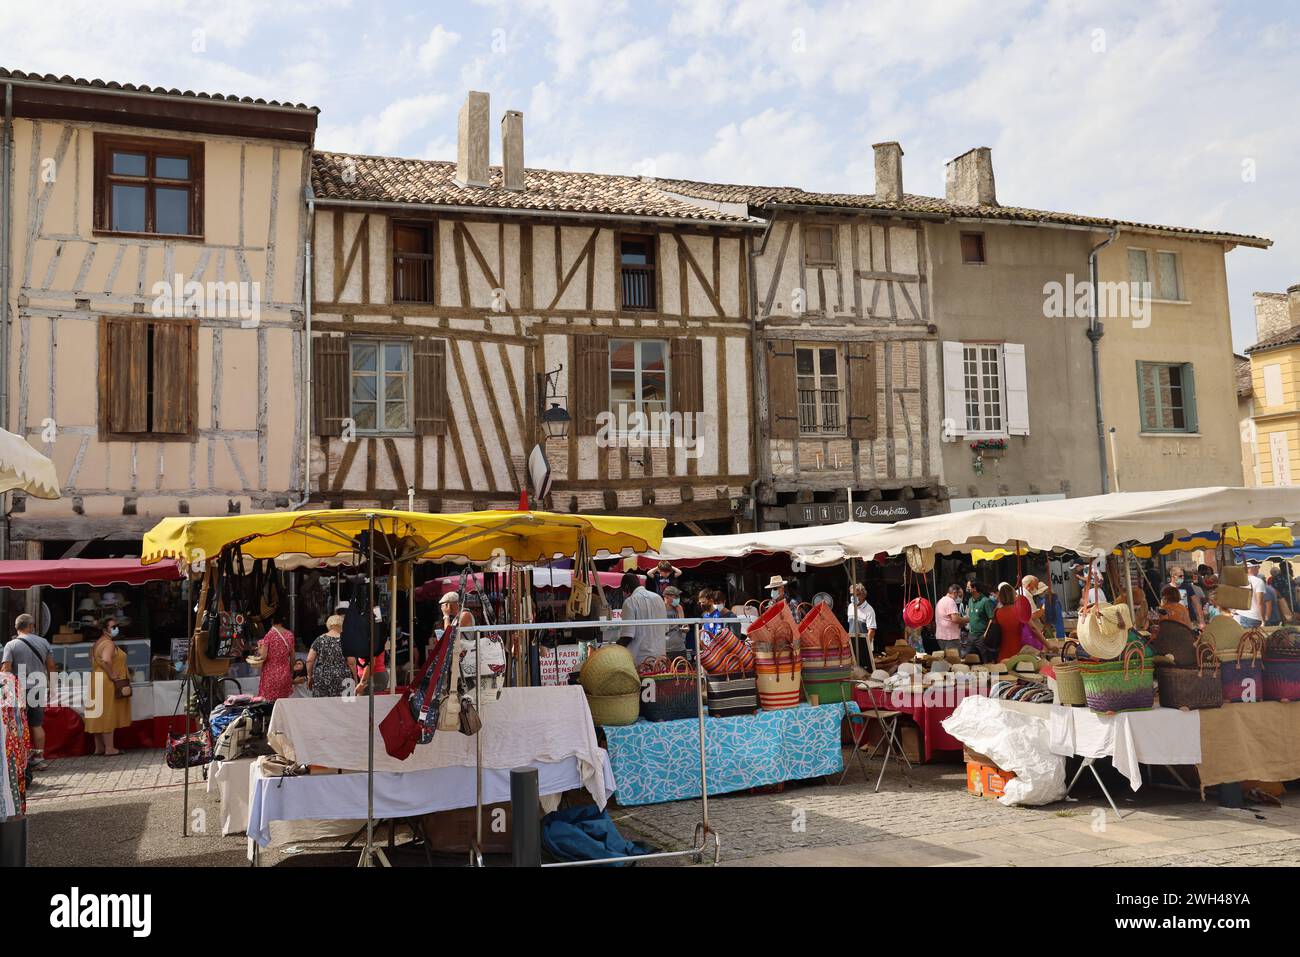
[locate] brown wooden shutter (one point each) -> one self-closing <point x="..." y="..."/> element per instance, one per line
<point x="687" y="374"/>
<point x="782" y="401"/>
<point x="590" y="382"/>
<point x="329" y="385"/>
<point x="861" y="363"/>
<point x="175" y="383"/>
<point x="430" y="385"/>
<point x="123" y="375"/>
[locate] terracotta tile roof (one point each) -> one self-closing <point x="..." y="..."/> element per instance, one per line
<point x="1287" y="337"/>
<point x="384" y="179"/>
<point x="1245" y="383"/>
<point x="78" y="82"/>
<point x="757" y="197"/>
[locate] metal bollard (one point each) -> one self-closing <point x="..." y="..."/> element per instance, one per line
<point x="526" y="821"/>
<point x="13" y="842"/>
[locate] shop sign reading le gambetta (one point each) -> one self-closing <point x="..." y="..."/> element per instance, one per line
<point x="829" y="513"/>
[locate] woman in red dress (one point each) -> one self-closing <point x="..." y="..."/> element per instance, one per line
<point x="277" y="651"/>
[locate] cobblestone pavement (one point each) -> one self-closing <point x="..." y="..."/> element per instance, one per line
<point x="126" y="811"/>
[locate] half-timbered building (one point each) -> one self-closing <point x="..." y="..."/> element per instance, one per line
<point x="463" y="315"/>
<point x="152" y="303"/>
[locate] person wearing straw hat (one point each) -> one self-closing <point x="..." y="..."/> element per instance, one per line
<point x="776" y="590"/>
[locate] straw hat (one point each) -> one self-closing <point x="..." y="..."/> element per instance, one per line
<point x="777" y="582"/>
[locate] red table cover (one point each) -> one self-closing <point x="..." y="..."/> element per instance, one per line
<point x="927" y="708"/>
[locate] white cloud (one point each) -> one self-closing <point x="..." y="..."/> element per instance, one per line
<point x="439" y="43"/>
<point x="627" y="72"/>
<point x="386" y="131"/>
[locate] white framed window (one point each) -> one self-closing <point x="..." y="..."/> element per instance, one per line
<point x="638" y="379"/>
<point x="1158" y="271"/>
<point x="380" y="393"/>
<point x="819" y="383"/>
<point x="986" y="391"/>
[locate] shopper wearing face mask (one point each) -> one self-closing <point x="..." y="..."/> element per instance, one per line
<point x="776" y="591"/>
<point x="679" y="641"/>
<point x="712" y="605"/>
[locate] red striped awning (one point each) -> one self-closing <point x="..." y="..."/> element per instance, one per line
<point x="94" y="572"/>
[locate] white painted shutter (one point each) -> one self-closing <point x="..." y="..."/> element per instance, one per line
<point x="1013" y="367"/>
<point x="954" y="392"/>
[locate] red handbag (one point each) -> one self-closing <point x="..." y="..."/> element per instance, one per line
<point x="400" y="728"/>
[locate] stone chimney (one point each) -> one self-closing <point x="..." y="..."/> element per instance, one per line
<point x="512" y="150"/>
<point x="969" y="179"/>
<point x="1293" y="303"/>
<point x="472" y="141"/>
<point x="1272" y="314"/>
<point x="889" y="171"/>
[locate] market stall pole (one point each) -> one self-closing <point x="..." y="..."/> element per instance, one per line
<point x="329" y="535"/>
<point x="704" y="832"/>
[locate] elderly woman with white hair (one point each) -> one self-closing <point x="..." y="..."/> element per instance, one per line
<point x="330" y="673"/>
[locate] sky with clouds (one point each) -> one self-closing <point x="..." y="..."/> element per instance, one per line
<point x="1171" y="111"/>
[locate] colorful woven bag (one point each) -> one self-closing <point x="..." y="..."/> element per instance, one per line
<point x="823" y="642"/>
<point x="1282" y="665"/>
<point x="778" y="675"/>
<point x="1124" y="685"/>
<point x="1242" y="674"/>
<point x="725" y="645"/>
<point x="668" y="690"/>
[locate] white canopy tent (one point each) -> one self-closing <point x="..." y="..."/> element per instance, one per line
<point x="1095" y="525"/>
<point x="813" y="545"/>
<point x="24" y="469"/>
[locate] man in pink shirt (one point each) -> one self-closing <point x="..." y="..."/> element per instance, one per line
<point x="948" y="620"/>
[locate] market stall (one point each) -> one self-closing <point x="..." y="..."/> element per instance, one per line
<point x="374" y="539"/>
<point x="1162" y="704"/>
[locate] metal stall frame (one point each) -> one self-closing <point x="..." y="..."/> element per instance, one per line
<point x="704" y="832"/>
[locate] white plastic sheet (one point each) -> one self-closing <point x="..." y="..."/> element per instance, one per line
<point x="1018" y="739"/>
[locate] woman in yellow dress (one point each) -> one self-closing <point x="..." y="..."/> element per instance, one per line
<point x="105" y="711"/>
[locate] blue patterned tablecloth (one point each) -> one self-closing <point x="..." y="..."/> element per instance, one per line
<point x="659" y="761"/>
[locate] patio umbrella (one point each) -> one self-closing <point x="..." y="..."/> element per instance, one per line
<point x="24" y="469"/>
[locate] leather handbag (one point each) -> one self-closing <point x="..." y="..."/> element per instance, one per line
<point x="402" y="728"/>
<point x="121" y="687"/>
<point x="470" y="722"/>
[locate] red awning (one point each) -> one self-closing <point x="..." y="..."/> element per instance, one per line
<point x="95" y="572"/>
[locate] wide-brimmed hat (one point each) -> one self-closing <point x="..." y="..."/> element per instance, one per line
<point x="777" y="582"/>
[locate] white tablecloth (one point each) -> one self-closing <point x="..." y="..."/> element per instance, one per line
<point x="399" y="794"/>
<point x="1129" y="739"/>
<point x="524" y="727"/>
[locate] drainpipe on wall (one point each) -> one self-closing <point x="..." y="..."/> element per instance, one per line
<point x="307" y="285"/>
<point x="6" y="188"/>
<point x="1095" y="332"/>
<point x="757" y="357"/>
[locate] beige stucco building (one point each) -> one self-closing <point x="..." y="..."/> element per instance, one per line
<point x="154" y="303"/>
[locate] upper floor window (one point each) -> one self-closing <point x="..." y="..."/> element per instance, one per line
<point x="819" y="245"/>
<point x="636" y="257"/>
<point x="638" y="377"/>
<point x="147" y="378"/>
<point x="1167" y="396"/>
<point x="381" y="385"/>
<point x="412" y="262"/>
<point x="148" y="187"/>
<point x="972" y="248"/>
<point x="1159" y="272"/>
<point x="986" y="390"/>
<point x="820" y="385"/>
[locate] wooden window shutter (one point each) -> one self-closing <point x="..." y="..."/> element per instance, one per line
<point x="123" y="375"/>
<point x="861" y="362"/>
<point x="590" y="382"/>
<point x="175" y="382"/>
<point x="782" y="403"/>
<point x="430" y="385"/>
<point x="687" y="374"/>
<point x="330" y="365"/>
